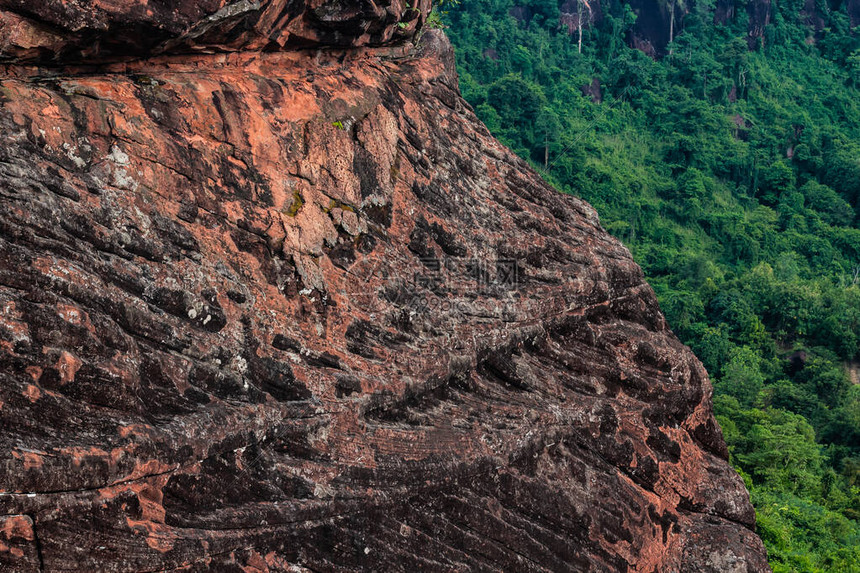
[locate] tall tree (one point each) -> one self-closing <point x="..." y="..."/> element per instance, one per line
<point x="581" y="7"/>
<point x="673" y="4"/>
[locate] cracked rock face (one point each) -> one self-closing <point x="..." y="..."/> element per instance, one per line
<point x="61" y="31"/>
<point x="299" y="311"/>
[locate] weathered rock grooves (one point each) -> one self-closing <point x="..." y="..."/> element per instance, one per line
<point x="267" y="309"/>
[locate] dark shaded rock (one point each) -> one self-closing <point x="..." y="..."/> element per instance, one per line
<point x="63" y="31"/>
<point x="759" y="12"/>
<point x="593" y="90"/>
<point x="853" y="7"/>
<point x="576" y="14"/>
<point x="652" y="30"/>
<point x="523" y="14"/>
<point x="724" y="11"/>
<point x="759" y="15"/>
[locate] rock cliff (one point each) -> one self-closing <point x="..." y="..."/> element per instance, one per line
<point x="653" y="26"/>
<point x="853" y="7"/>
<point x="273" y="299"/>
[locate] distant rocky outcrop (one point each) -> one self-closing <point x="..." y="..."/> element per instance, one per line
<point x="576" y="14"/>
<point x="653" y="29"/>
<point x="759" y="18"/>
<point x="759" y="12"/>
<point x="853" y="7"/>
<point x="273" y="299"/>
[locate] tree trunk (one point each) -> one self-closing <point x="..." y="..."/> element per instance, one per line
<point x="671" y="24"/>
<point x="579" y="23"/>
<point x="546" y="153"/>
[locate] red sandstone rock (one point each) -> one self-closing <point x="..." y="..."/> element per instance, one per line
<point x="53" y="31"/>
<point x="258" y="313"/>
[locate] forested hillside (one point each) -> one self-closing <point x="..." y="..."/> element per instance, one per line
<point x="720" y="141"/>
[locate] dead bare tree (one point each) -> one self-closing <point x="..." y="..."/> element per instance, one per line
<point x="581" y="6"/>
<point x="673" y="4"/>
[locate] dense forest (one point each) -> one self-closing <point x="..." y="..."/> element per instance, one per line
<point x="720" y="141"/>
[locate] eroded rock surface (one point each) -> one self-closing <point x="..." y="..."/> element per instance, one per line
<point x="62" y="31"/>
<point x="299" y="311"/>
